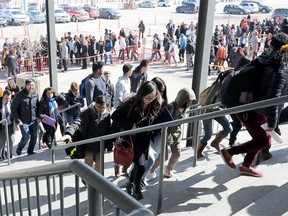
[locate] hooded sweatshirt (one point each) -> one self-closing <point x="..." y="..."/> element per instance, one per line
<point x="184" y="95"/>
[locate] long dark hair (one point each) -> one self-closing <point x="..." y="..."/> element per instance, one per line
<point x="146" y="88"/>
<point x="162" y="88"/>
<point x="44" y="94"/>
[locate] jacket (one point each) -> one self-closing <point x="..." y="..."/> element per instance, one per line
<point x="90" y="125"/>
<point x="183" y="41"/>
<point x="25" y="107"/>
<point x="123" y="120"/>
<point x="183" y="96"/>
<point x="137" y="78"/>
<point x="71" y="100"/>
<point x="11" y="116"/>
<point x="272" y="83"/>
<point x="44" y="106"/>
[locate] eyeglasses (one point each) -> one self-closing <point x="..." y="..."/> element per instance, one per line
<point x="150" y="98"/>
<point x="101" y="106"/>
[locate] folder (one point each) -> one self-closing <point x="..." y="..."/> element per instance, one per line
<point x="48" y="120"/>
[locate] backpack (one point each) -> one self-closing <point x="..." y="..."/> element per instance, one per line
<point x="239" y="83"/>
<point x="82" y="90"/>
<point x="210" y="94"/>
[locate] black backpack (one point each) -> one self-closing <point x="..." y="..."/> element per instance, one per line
<point x="243" y="81"/>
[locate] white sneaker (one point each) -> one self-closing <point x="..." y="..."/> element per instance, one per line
<point x="273" y="134"/>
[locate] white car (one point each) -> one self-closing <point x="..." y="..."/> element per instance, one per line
<point x="147" y="4"/>
<point x="163" y="3"/>
<point x="61" y="16"/>
<point x="253" y="7"/>
<point x="16" y="17"/>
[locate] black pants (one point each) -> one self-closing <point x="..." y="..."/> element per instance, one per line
<point x="64" y="62"/>
<point x="84" y="63"/>
<point x="49" y="135"/>
<point x="237" y="125"/>
<point x="136" y="175"/>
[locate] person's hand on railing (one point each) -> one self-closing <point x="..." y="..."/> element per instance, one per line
<point x="66" y="138"/>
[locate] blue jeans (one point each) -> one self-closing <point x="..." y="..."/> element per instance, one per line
<point x="70" y="118"/>
<point x="28" y="131"/>
<point x="207" y="124"/>
<point x="110" y="57"/>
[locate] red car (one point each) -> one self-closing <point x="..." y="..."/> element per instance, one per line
<point x="92" y="11"/>
<point x="76" y="13"/>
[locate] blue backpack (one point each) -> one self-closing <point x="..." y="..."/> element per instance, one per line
<point x="82" y="90"/>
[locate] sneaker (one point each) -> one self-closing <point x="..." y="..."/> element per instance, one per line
<point x="250" y="171"/>
<point x="125" y="170"/>
<point x="167" y="174"/>
<point x="143" y="185"/>
<point x="18" y="151"/>
<point x="227" y="158"/>
<point x="129" y="187"/>
<point x="137" y="195"/>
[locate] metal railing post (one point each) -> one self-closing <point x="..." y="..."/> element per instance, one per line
<point x="7" y="140"/>
<point x="195" y="140"/>
<point x="161" y="169"/>
<point x="95" y="206"/>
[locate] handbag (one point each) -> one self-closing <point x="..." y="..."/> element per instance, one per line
<point x="123" y="151"/>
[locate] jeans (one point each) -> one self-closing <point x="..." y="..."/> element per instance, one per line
<point x="260" y="138"/>
<point x="189" y="59"/>
<point x="70" y="118"/>
<point x="3" y="138"/>
<point x="110" y="57"/>
<point x="28" y="131"/>
<point x="207" y="124"/>
<point x="148" y="163"/>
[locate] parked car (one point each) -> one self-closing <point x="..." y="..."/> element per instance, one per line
<point x="163" y="3"/>
<point x="3" y="21"/>
<point x="61" y="16"/>
<point x="36" y="16"/>
<point x="280" y="13"/>
<point x="262" y="7"/>
<point x="92" y="11"/>
<point x="15" y="17"/>
<point x="253" y="7"/>
<point x="147" y="4"/>
<point x="109" y="13"/>
<point x="235" y="9"/>
<point x="76" y="13"/>
<point x="187" y="8"/>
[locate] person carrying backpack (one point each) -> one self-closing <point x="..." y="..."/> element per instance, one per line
<point x="190" y="51"/>
<point x="211" y="98"/>
<point x="95" y="84"/>
<point x="266" y="79"/>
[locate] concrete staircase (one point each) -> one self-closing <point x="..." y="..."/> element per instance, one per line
<point x="210" y="188"/>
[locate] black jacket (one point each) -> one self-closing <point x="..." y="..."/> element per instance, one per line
<point x="11" y="116"/>
<point x="25" y="107"/>
<point x="44" y="106"/>
<point x="136" y="79"/>
<point x="71" y="100"/>
<point x="272" y="83"/>
<point x="137" y="116"/>
<point x="90" y="125"/>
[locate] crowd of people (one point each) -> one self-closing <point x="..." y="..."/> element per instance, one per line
<point x="133" y="101"/>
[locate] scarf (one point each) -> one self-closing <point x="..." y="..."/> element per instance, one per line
<point x="53" y="108"/>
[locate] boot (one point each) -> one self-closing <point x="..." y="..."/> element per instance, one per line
<point x="219" y="137"/>
<point x="200" y="150"/>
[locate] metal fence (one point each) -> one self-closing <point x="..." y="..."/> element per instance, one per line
<point x="21" y="200"/>
<point x="163" y="126"/>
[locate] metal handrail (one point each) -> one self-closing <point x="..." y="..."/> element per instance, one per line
<point x="7" y="139"/>
<point x="164" y="126"/>
<point x="205" y="116"/>
<point x="97" y="184"/>
<point x="69" y="107"/>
